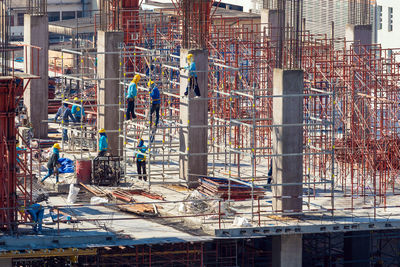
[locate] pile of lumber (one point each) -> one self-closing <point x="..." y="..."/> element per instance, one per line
<point x="239" y="190"/>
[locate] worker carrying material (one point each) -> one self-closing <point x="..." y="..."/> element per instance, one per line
<point x="103" y="143"/>
<point x="52" y="164"/>
<point x="192" y="79"/>
<point x="130" y="97"/>
<point x="66" y="114"/>
<point x="77" y="110"/>
<point x="155" y="102"/>
<point x="141" y="160"/>
<point x="36" y="211"/>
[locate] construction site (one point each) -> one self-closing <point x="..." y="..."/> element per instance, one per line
<point x="187" y="134"/>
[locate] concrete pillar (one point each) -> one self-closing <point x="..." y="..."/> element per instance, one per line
<point x="287" y="250"/>
<point x="108" y="90"/>
<point x="357" y="249"/>
<point x="36" y="94"/>
<point x="288" y="139"/>
<point x="6" y="262"/>
<point x="270" y="20"/>
<point x="361" y="34"/>
<point x="194" y="112"/>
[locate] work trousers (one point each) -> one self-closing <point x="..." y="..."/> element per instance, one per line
<point x="49" y="173"/>
<point x="193" y="85"/>
<point x="130" y="110"/>
<point x="37" y="218"/>
<point x="65" y="131"/>
<point x="141" y="169"/>
<point x="155" y="108"/>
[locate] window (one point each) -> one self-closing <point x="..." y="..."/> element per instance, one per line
<point x="390" y="19"/>
<point x="54" y="16"/>
<point x="68" y="15"/>
<point x="20" y="19"/>
<point x="379" y="17"/>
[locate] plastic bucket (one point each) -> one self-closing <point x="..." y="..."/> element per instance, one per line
<point x="83" y="171"/>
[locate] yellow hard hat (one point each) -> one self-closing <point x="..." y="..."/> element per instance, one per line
<point x="150" y="83"/>
<point x="189" y="57"/>
<point x="102" y="130"/>
<point x="136" y="78"/>
<point x="76" y="99"/>
<point x="66" y="99"/>
<point x="57" y="145"/>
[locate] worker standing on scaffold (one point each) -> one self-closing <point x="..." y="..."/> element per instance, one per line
<point x="131" y="95"/>
<point x="141" y="160"/>
<point x="77" y="110"/>
<point x="192" y="79"/>
<point x="155" y="102"/>
<point x="103" y="143"/>
<point x="66" y="114"/>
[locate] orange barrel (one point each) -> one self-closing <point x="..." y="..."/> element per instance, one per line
<point x="83" y="171"/>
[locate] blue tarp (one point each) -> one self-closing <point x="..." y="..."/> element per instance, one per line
<point x="67" y="165"/>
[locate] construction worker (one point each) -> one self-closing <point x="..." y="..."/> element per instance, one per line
<point x="66" y="115"/>
<point x="36" y="211"/>
<point x="192" y="79"/>
<point x="19" y="152"/>
<point x="77" y="110"/>
<point x="103" y="143"/>
<point x="141" y="160"/>
<point x="155" y="102"/>
<point x="131" y="95"/>
<point x="53" y="162"/>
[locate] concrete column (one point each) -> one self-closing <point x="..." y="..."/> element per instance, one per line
<point x="357" y="249"/>
<point x="270" y="20"/>
<point x="194" y="112"/>
<point x="108" y="90"/>
<point x="36" y="94"/>
<point x="361" y="34"/>
<point x="287" y="139"/>
<point x="6" y="262"/>
<point x="287" y="250"/>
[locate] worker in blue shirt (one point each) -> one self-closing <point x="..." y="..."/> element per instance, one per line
<point x="36" y="211"/>
<point x="77" y="110"/>
<point x="53" y="162"/>
<point x="155" y="102"/>
<point x="131" y="95"/>
<point x="103" y="143"/>
<point x="141" y="160"/>
<point x="192" y="79"/>
<point x="66" y="114"/>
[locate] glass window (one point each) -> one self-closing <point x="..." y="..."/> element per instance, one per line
<point x="379" y="17"/>
<point x="54" y="16"/>
<point x="390" y="19"/>
<point x="68" y="15"/>
<point x="20" y="19"/>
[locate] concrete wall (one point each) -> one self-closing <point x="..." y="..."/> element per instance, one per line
<point x="108" y="90"/>
<point x="36" y="94"/>
<point x="194" y="140"/>
<point x="287" y="139"/>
